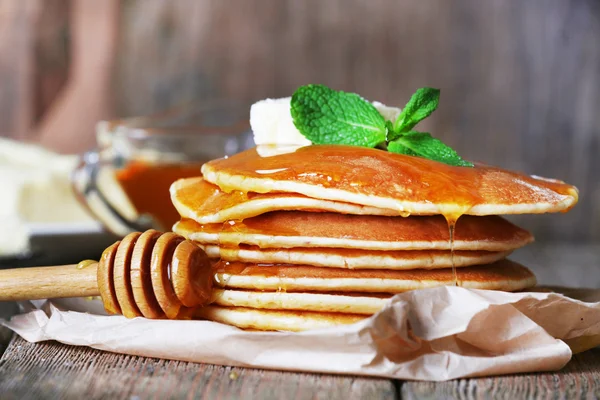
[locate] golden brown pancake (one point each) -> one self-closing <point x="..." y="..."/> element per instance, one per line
<point x="285" y="229"/>
<point x="353" y="303"/>
<point x="354" y="258"/>
<point x="196" y="199"/>
<point x="502" y="275"/>
<point x="378" y="178"/>
<point x="275" y="320"/>
<point x="297" y="298"/>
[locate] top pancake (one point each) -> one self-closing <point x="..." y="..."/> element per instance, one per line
<point x="381" y="179"/>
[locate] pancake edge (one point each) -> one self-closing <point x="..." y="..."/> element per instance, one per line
<point x="379" y="261"/>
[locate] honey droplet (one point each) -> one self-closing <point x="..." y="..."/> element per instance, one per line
<point x="85" y="263"/>
<point x="282" y="288"/>
<point x="233" y="375"/>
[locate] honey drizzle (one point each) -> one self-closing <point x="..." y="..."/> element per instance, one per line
<point x="451" y="220"/>
<point x="451" y="227"/>
<point x="377" y="173"/>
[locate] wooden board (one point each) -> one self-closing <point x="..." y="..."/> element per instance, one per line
<point x="53" y="370"/>
<point x="579" y="379"/>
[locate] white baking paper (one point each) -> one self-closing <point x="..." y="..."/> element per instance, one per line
<point x="431" y="334"/>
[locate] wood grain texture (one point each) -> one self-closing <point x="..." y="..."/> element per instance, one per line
<point x="48" y="282"/>
<point x="520" y="80"/>
<point x="55" y="371"/>
<point x="52" y="370"/>
<point x="578" y="380"/>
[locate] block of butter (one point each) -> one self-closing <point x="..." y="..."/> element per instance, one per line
<point x="35" y="190"/>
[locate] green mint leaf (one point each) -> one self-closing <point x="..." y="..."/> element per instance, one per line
<point x="389" y="126"/>
<point x="326" y="116"/>
<point x="420" y="106"/>
<point x="424" y="145"/>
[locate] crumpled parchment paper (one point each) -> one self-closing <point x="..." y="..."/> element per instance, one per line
<point x="431" y="334"/>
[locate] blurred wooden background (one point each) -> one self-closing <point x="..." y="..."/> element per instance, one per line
<point x="520" y="79"/>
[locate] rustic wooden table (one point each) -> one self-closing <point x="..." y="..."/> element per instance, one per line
<point x="52" y="370"/>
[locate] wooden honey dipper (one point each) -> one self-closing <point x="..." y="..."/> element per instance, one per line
<point x="150" y="274"/>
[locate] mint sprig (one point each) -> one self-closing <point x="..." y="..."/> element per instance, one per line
<point x="422" y="144"/>
<point x="420" y="106"/>
<point x="326" y="116"/>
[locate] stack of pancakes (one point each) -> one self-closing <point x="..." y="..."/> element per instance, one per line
<point x="325" y="235"/>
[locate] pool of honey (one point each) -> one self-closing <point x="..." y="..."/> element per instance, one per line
<point x="147" y="187"/>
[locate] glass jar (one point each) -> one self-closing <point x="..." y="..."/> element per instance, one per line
<point x="125" y="181"/>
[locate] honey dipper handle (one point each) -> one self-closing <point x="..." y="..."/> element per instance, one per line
<point x="48" y="282"/>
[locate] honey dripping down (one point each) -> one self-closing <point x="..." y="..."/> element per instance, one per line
<point x="451" y="220"/>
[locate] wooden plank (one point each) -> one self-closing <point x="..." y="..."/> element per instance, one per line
<point x="579" y="379"/>
<point x="52" y="370"/>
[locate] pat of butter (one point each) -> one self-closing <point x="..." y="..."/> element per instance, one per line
<point x="272" y="124"/>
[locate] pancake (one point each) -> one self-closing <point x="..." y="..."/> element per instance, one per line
<point x="381" y="179"/>
<point x="285" y="229"/>
<point x="196" y="199"/>
<point x="272" y="320"/>
<point x="353" y="303"/>
<point x="354" y="258"/>
<point x="502" y="275"/>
